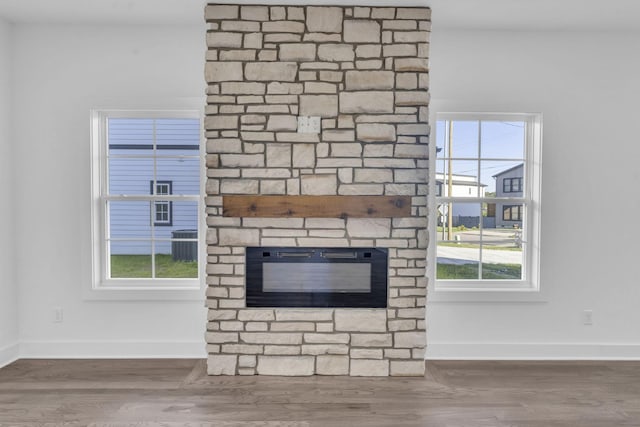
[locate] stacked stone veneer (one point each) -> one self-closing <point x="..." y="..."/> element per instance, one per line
<point x="364" y="71"/>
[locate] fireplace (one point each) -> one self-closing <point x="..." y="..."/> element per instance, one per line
<point x="316" y="277"/>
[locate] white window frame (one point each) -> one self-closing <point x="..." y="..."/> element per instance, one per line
<point x="103" y="287"/>
<point x="527" y="289"/>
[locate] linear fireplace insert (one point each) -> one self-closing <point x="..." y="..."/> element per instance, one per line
<point x="316" y="277"/>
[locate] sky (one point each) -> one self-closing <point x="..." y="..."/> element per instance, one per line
<point x="501" y="143"/>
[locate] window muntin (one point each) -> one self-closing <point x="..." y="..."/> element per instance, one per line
<point x="148" y="198"/>
<point x="486" y="240"/>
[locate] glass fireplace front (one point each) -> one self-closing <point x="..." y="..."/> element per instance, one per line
<point x="316" y="277"/>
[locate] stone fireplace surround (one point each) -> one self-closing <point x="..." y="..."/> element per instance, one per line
<point x="364" y="71"/>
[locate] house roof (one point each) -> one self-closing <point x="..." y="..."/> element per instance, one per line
<point x="509" y="170"/>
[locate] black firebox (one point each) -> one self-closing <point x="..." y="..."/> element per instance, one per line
<point x="316" y="277"/>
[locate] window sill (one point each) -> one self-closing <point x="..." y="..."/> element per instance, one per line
<point x="126" y="293"/>
<point x="448" y="295"/>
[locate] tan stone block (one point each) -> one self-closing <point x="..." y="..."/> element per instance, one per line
<point x="242" y="349"/>
<point x="415" y="97"/>
<point x="280" y="122"/>
<point x="366" y="102"/>
<point x="266" y="173"/>
<point x="358" y="80"/>
<point x="279" y="155"/>
<point x="336" y="52"/>
<point x="325" y="184"/>
<point x="360" y="189"/>
<point x="371" y="340"/>
<point x="217" y="12"/>
<point x="239" y="186"/>
<point x="282" y="349"/>
<point x="221" y="122"/>
<point x="399" y="25"/>
<point x="218" y="364"/>
<point x="286" y="365"/>
<point x="266" y="71"/>
<point x="231" y="325"/>
<point x="297" y="137"/>
<point x="245" y="361"/>
<point x="255" y="315"/>
<point x="274" y="338"/>
<point x="375" y="132"/>
<point x="224" y="39"/>
<point x="295" y="13"/>
<point x="409" y="339"/>
<point x="332" y="365"/>
<point x="319" y="105"/>
<point x="367" y="227"/>
<point x="406" y="81"/>
<point x="253" y="41"/>
<point x="312" y="315"/>
<point x="241" y="26"/>
<point x="238" y="237"/>
<point x="221" y="314"/>
<point x="278" y="88"/>
<point x="397" y="353"/>
<point x="243" y="88"/>
<point x="242" y="160"/>
<point x="410" y="175"/>
<point x="411" y="36"/>
<point x="393" y="50"/>
<point x="224" y="145"/>
<point x="414" y="13"/>
<point x="412" y="151"/>
<point x="320" y="87"/>
<point x="402" y="325"/>
<point x="222" y="337"/>
<point x="293" y="327"/>
<point x="304" y="156"/>
<point x="273" y="222"/>
<point x="346" y="150"/>
<point x="272" y="187"/>
<point x="368" y="51"/>
<point x="366" y="353"/>
<point x="361" y="31"/>
<point x="373" y="175"/>
<point x="331" y="76"/>
<point x="324" y="19"/>
<point x="283" y="27"/>
<point x="378" y="150"/>
<point x="319" y="241"/>
<point x="324" y="223"/>
<point x="369" y="368"/>
<point x="326" y="338"/>
<point x="278" y="13"/>
<point x="407" y="368"/>
<point x="223" y="71"/>
<point x="316" y="349"/>
<point x="297" y="52"/>
<point x="361" y="320"/>
<point x="254" y="13"/>
<point x="411" y="64"/>
<point x="256" y="326"/>
<point x="383" y="13"/>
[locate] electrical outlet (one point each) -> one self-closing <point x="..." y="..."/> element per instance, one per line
<point x="587" y="317"/>
<point x="58" y="315"/>
<point x="308" y="124"/>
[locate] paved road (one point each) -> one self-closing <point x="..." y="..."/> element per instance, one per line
<point x="453" y="255"/>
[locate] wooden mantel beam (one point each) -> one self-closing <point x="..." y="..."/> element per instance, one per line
<point x="317" y="206"/>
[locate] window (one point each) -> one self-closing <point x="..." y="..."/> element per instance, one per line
<point x="162" y="209"/>
<point x="512" y="185"/>
<point x="497" y="158"/>
<point x="512" y="213"/>
<point x="147" y="204"/>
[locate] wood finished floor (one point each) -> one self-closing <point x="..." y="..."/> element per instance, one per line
<point x="147" y="393"/>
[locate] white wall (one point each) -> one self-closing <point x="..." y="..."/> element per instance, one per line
<point x="587" y="85"/>
<point x="8" y="286"/>
<point x="61" y="72"/>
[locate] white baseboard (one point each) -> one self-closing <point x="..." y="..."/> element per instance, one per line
<point x="9" y="354"/>
<point x="531" y="351"/>
<point x="112" y="350"/>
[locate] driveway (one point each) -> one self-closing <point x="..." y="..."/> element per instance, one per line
<point x="453" y="255"/>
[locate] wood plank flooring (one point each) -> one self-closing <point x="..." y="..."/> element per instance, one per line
<point x="151" y="393"/>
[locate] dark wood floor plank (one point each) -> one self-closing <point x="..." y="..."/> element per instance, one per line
<point x="171" y="393"/>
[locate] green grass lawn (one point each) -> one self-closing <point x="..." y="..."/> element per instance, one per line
<point x="139" y="266"/>
<point x="470" y="271"/>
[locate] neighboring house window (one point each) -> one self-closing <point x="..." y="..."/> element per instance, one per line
<point x="512" y="185"/>
<point x="438" y="189"/>
<point x="147" y="204"/>
<point x="162" y="209"/>
<point x="476" y="249"/>
<point x="512" y="213"/>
